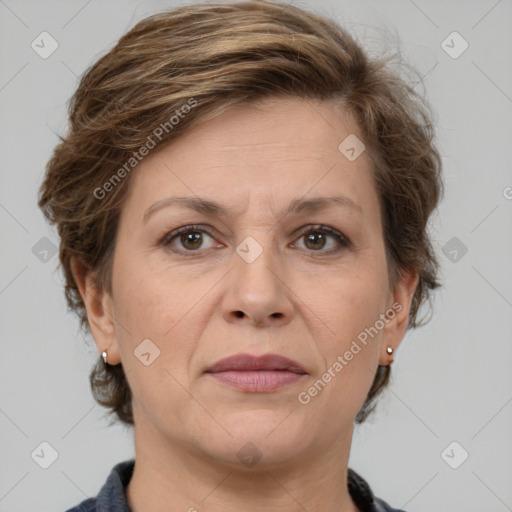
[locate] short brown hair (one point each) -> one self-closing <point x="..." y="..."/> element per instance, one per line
<point x="220" y="56"/>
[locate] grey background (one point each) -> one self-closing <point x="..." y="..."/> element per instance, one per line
<point x="451" y="379"/>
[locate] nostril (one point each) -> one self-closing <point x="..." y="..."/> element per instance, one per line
<point x="239" y="314"/>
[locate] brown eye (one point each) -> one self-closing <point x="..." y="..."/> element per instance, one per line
<point x="187" y="239"/>
<point x="191" y="240"/>
<point x="316" y="239"/>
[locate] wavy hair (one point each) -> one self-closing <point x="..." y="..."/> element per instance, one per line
<point x="224" y="55"/>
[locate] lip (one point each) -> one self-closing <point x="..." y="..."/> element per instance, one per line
<point x="248" y="362"/>
<point x="257" y="374"/>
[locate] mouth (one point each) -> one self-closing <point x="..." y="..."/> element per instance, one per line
<point x="257" y="374"/>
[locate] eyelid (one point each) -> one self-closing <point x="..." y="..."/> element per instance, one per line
<point x="343" y="241"/>
<point x="166" y="239"/>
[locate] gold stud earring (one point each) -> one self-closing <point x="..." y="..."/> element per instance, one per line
<point x="390" y="350"/>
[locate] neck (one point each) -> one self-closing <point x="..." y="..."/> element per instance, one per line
<point x="176" y="478"/>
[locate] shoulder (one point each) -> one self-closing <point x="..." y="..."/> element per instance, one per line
<point x="112" y="496"/>
<point x="362" y="495"/>
<point x="382" y="506"/>
<point x="88" y="505"/>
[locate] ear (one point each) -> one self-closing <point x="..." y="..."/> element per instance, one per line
<point x="397" y="314"/>
<point x="98" y="304"/>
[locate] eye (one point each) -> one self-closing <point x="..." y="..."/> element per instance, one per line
<point x="316" y="239"/>
<point x="191" y="238"/>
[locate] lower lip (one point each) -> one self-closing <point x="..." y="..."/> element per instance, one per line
<point x="258" y="381"/>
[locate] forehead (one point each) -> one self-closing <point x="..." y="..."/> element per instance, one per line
<point x="275" y="150"/>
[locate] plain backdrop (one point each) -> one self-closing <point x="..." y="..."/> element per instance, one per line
<point x="440" y="438"/>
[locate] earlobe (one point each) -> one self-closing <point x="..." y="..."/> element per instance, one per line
<point x="98" y="304"/>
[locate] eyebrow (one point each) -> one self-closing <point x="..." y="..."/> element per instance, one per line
<point x="209" y="207"/>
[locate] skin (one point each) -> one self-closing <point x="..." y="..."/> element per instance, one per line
<point x="306" y="300"/>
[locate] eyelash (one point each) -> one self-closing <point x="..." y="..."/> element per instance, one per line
<point x="344" y="242"/>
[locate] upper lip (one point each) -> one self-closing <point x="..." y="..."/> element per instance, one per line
<point x="248" y="362"/>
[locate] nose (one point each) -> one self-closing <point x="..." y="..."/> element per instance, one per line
<point x="257" y="291"/>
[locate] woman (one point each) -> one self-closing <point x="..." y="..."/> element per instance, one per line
<point x="242" y="201"/>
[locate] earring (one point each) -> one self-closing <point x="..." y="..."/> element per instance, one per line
<point x="390" y="350"/>
<point x="104" y="356"/>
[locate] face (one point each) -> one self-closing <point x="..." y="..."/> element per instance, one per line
<point x="268" y="266"/>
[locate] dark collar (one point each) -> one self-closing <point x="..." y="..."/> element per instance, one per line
<point x="360" y="492"/>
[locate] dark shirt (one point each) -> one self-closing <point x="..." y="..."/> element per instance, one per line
<point x="112" y="496"/>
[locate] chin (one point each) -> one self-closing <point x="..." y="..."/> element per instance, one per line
<point x="261" y="439"/>
<point x="261" y="423"/>
<point x="256" y="456"/>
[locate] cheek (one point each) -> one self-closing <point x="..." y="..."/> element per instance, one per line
<point x="349" y="302"/>
<point x="160" y="306"/>
<point x="150" y="299"/>
<point x="349" y="357"/>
